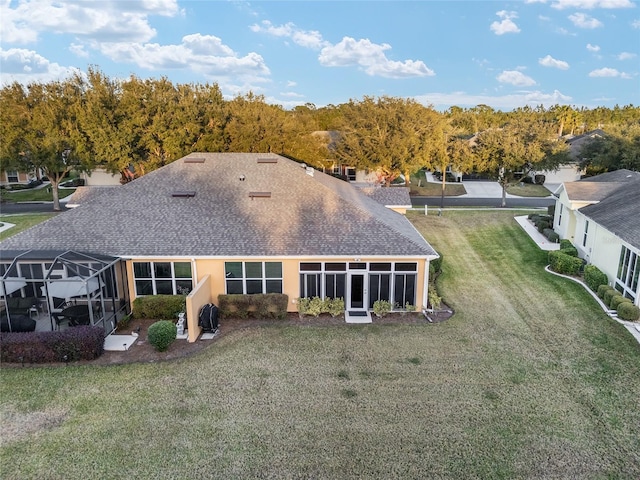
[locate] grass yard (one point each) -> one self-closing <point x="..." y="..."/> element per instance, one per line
<point x="528" y="190"/>
<point x="22" y="222"/>
<point x="528" y="380"/>
<point x="33" y="194"/>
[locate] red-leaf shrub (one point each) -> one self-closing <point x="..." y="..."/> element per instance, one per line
<point x="77" y="343"/>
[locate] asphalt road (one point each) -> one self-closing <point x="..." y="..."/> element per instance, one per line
<point x="465" y="201"/>
<point x="431" y="202"/>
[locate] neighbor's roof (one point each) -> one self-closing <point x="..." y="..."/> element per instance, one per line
<point x="388" y="196"/>
<point x="589" y="191"/>
<point x="622" y="175"/>
<point x="304" y="215"/>
<point x="619" y="212"/>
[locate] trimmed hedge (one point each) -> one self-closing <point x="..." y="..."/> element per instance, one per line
<point x="162" y="334"/>
<point x="616" y="300"/>
<point x="567" y="247"/>
<point x="162" y="307"/>
<point x="628" y="311"/>
<point x="259" y="305"/>
<point x="315" y="306"/>
<point x="77" y="343"/>
<point x="609" y="294"/>
<point x="594" y="277"/>
<point x="551" y="235"/>
<point x="602" y="289"/>
<point x="566" y="264"/>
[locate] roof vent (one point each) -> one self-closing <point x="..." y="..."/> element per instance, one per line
<point x="184" y="194"/>
<point x="194" y="160"/>
<point x="267" y="160"/>
<point x="253" y="195"/>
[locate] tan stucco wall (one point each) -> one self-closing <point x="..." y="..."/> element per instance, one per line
<point x="100" y="177"/>
<point x="209" y="276"/>
<point x="199" y="296"/>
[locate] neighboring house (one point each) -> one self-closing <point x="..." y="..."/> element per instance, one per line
<point x="217" y="223"/>
<point x="101" y="177"/>
<point x="601" y="217"/>
<point x="571" y="172"/>
<point x="14" y="177"/>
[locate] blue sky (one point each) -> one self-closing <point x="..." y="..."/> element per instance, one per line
<point x="441" y="53"/>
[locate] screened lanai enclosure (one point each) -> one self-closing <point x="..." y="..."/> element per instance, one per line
<point x="49" y="290"/>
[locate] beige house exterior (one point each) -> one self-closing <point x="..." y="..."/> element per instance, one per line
<point x="217" y="223"/>
<point x="601" y="218"/>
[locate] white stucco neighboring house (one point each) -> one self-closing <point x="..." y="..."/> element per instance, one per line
<point x="601" y="217"/>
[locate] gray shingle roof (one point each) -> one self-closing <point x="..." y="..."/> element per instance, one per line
<point x="619" y="212"/>
<point x="305" y="215"/>
<point x="389" y="196"/>
<point x="589" y="191"/>
<point x="621" y="175"/>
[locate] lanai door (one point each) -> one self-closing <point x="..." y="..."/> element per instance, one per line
<point x="357" y="287"/>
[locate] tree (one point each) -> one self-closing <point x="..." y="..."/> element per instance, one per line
<point x="519" y="147"/>
<point x="382" y="134"/>
<point x="44" y="132"/>
<point x="619" y="148"/>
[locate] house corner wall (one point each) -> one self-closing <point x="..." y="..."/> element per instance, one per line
<point x="200" y="295"/>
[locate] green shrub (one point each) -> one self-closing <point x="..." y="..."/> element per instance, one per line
<point x="381" y="308"/>
<point x="609" y="294"/>
<point x="628" y="311"/>
<point x="566" y="264"/>
<point x="162" y="334"/>
<point x="594" y="277"/>
<point x="161" y="307"/>
<point x="259" y="305"/>
<point x="313" y="306"/>
<point x="564" y="243"/>
<point x="437" y="264"/>
<point x="602" y="289"/>
<point x="551" y="235"/>
<point x="616" y="300"/>
<point x="434" y="299"/>
<point x="542" y="225"/>
<point x="335" y="306"/>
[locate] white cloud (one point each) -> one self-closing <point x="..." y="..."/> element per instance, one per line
<point x="107" y="20"/>
<point x="516" y="78"/>
<point x="636" y="23"/>
<point x="593" y="48"/>
<point x="607" y="72"/>
<point x="291" y="95"/>
<point x="506" y="25"/>
<point x="26" y="66"/>
<point x="78" y="50"/>
<point x="304" y="38"/>
<point x="582" y="20"/>
<point x="626" y="56"/>
<point x="291" y="83"/>
<point x="349" y="52"/>
<point x="205" y="54"/>
<point x="549" y="61"/>
<point x="505" y="102"/>
<point x="591" y="4"/>
<point x="371" y="58"/>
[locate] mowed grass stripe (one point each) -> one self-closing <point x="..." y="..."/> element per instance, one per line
<point x="533" y="388"/>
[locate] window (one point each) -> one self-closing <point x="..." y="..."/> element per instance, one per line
<point x="12" y="176"/>
<point x="253" y="277"/>
<point x="404" y="284"/>
<point x="326" y="280"/>
<point x="586" y="232"/>
<point x="628" y="273"/>
<point x="560" y="215"/>
<point x="162" y="278"/>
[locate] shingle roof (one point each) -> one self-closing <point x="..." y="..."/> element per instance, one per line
<point x="304" y="215"/>
<point x="589" y="191"/>
<point x="619" y="212"/>
<point x="621" y="175"/>
<point x="389" y="196"/>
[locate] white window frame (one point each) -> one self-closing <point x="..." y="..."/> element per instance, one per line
<point x="627" y="276"/>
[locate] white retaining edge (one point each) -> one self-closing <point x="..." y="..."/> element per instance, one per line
<point x="631" y="326"/>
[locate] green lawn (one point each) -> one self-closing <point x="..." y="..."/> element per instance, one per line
<point x="528" y="380"/>
<point x="22" y="222"/>
<point x="33" y="194"/>
<point x="528" y="190"/>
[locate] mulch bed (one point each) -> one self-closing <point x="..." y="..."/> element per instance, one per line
<point x="143" y="352"/>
